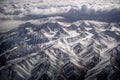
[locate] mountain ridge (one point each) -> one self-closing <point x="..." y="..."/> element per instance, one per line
<point x="51" y="51"/>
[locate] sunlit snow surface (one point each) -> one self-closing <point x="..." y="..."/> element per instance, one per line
<point x="59" y="40"/>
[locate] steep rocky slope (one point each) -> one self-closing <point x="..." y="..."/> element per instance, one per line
<point x="84" y="50"/>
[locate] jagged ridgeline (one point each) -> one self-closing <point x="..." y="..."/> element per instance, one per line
<point x="89" y="50"/>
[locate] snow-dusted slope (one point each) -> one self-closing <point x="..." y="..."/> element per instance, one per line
<point x="53" y="51"/>
<point x="59" y="39"/>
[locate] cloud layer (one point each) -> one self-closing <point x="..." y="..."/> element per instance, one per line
<point x="72" y="10"/>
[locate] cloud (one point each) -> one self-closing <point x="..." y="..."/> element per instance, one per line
<point x="8" y="25"/>
<point x="74" y="13"/>
<point x="72" y="10"/>
<point x="87" y="13"/>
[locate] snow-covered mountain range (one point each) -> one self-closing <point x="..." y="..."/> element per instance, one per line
<point x="59" y="40"/>
<point x="84" y="50"/>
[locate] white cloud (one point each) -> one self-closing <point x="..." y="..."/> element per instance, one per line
<point x="71" y="9"/>
<point x="8" y="25"/>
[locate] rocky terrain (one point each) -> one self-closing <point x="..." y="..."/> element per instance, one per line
<point x="59" y="39"/>
<point x="84" y="50"/>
